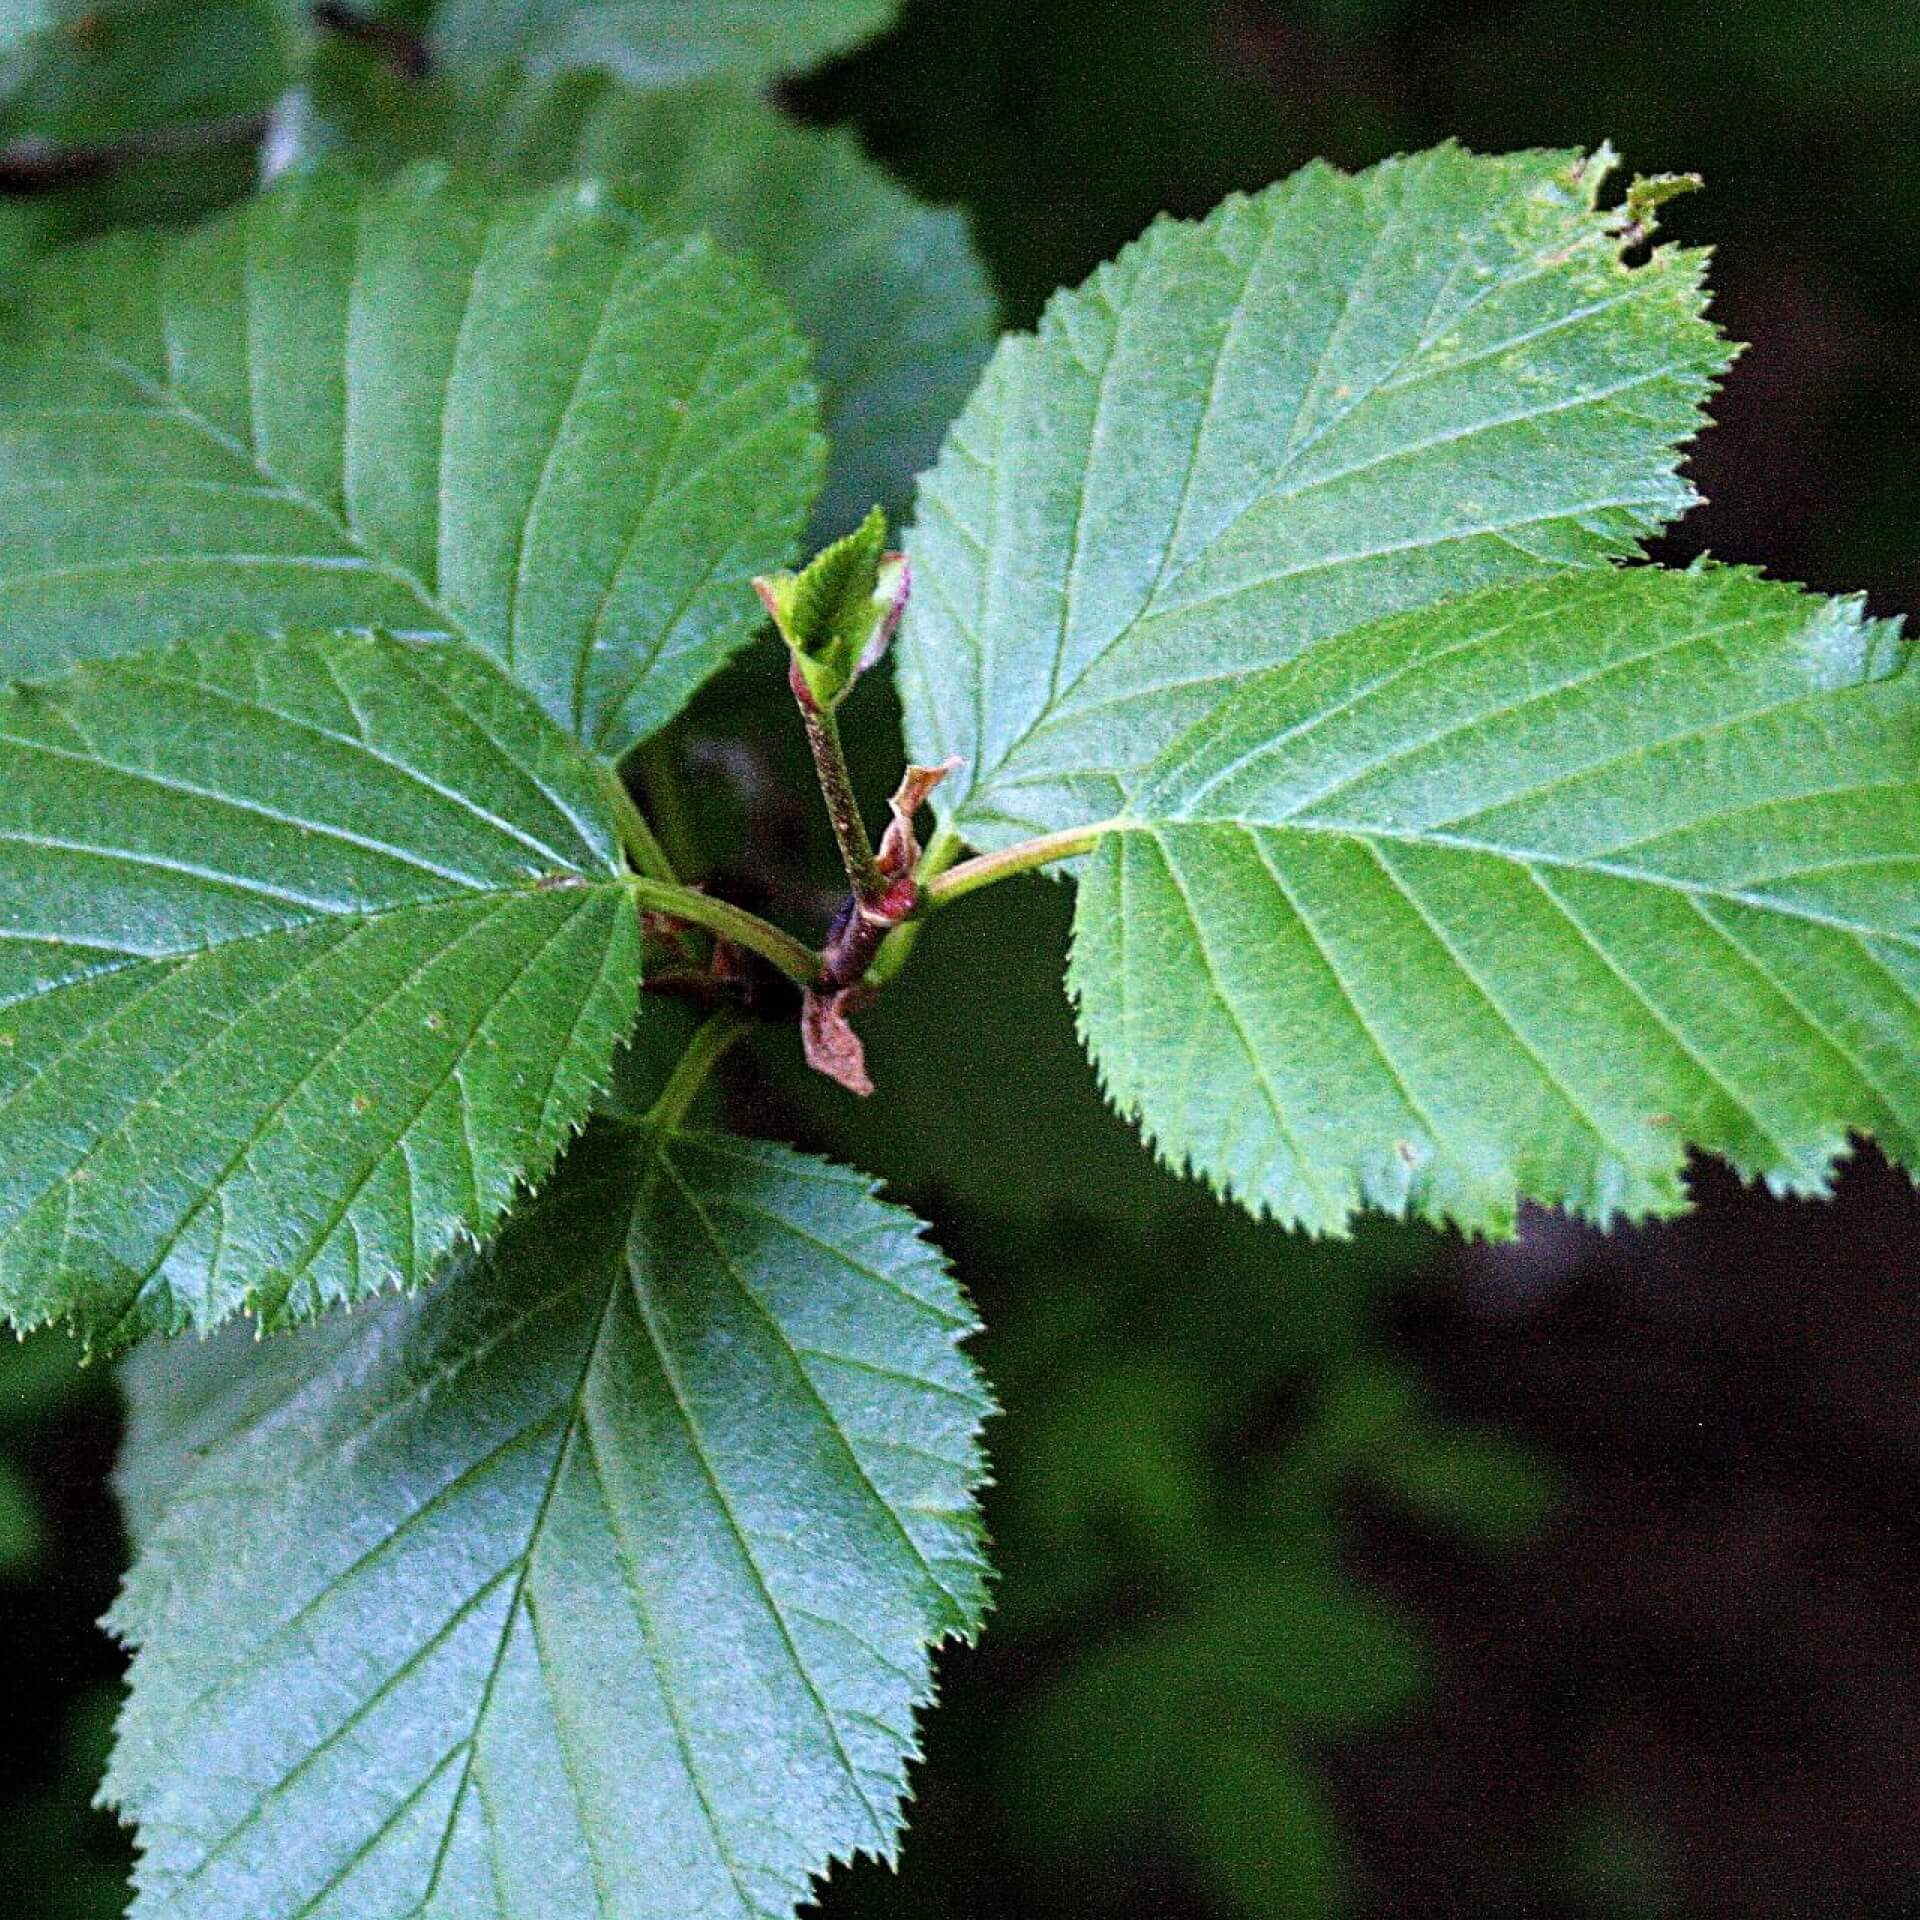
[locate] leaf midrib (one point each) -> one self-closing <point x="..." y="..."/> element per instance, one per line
<point x="575" y="1430"/>
<point x="1528" y="858"/>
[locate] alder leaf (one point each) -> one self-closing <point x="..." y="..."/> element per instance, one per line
<point x="891" y="292"/>
<point x="1518" y="898"/>
<point x="599" y="1583"/>
<point x="311" y="950"/>
<point x="657" y="43"/>
<point x="1343" y="397"/>
<point x="529" y="423"/>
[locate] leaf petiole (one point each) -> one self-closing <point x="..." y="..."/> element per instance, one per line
<point x="715" y="1035"/>
<point x="643" y="849"/>
<point x="795" y="959"/>
<point x="984" y="869"/>
<point x="657" y="768"/>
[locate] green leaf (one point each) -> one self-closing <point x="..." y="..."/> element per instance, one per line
<point x="1341" y="398"/>
<point x="1518" y="897"/>
<point x="831" y="600"/>
<point x="657" y="43"/>
<point x="88" y="74"/>
<point x="310" y="951"/>
<point x="23" y="1535"/>
<point x="89" y="70"/>
<point x="529" y="423"/>
<point x="597" y="1584"/>
<point x="891" y="292"/>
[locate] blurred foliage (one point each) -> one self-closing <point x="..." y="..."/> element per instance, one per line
<point x="1395" y="1578"/>
<point x="102" y="78"/>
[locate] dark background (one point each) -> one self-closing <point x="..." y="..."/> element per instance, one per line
<point x="1400" y="1578"/>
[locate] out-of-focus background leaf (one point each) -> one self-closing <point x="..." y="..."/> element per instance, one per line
<point x="1571" y="1579"/>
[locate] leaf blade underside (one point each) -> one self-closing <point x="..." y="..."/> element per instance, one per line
<point x="1520" y="897"/>
<point x="641" y="1530"/>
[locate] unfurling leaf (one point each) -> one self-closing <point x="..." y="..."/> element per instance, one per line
<point x="597" y="1584"/>
<point x="311" y="951"/>
<point x="838" y="613"/>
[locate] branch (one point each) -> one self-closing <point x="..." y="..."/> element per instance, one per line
<point x="403" y="50"/>
<point x="33" y="165"/>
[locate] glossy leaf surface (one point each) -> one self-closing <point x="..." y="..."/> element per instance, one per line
<point x="1343" y="397"/>
<point x="890" y="291"/>
<point x="1519" y="898"/>
<point x="530" y="423"/>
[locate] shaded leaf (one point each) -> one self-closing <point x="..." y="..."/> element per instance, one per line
<point x="23" y="1537"/>
<point x="597" y="1584"/>
<point x="100" y="80"/>
<point x="890" y="291"/>
<point x="657" y="43"/>
<point x="310" y="951"/>
<point x="1341" y="398"/>
<point x="528" y="423"/>
<point x="76" y="71"/>
<point x="1519" y="897"/>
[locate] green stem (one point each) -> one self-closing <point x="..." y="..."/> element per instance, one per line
<point x="716" y="1035"/>
<point x="799" y="962"/>
<point x="643" y="851"/>
<point x="836" y="788"/>
<point x="983" y="870"/>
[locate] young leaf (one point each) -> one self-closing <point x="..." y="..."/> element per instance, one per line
<point x="838" y="612"/>
<point x="657" y="43"/>
<point x="1341" y="398"/>
<point x="890" y="292"/>
<point x="1518" y="897"/>
<point x="528" y="423"/>
<point x="310" y="951"/>
<point x="597" y="1584"/>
